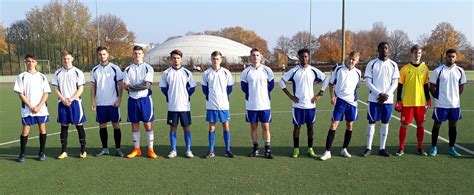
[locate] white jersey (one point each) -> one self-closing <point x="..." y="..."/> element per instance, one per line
<point x="447" y="80"/>
<point x="32" y="86"/>
<point x="382" y="73"/>
<point x="178" y="85"/>
<point x="217" y="82"/>
<point x="105" y="79"/>
<point x="138" y="74"/>
<point x="258" y="82"/>
<point x="68" y="81"/>
<point x="303" y="80"/>
<point x="346" y="81"/>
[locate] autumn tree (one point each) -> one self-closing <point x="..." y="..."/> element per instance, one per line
<point x="330" y="46"/>
<point x="360" y="43"/>
<point x="114" y="35"/>
<point x="3" y="42"/>
<point x="442" y="38"/>
<point x="400" y="45"/>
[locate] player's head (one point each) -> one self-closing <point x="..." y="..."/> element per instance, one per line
<point x="353" y="59"/>
<point x="451" y="56"/>
<point x="216" y="58"/>
<point x="303" y="56"/>
<point x="383" y="49"/>
<point x="176" y="56"/>
<point x="102" y="54"/>
<point x="67" y="58"/>
<point x="30" y="60"/>
<point x="255" y="56"/>
<point x="416" y="52"/>
<point x="138" y="54"/>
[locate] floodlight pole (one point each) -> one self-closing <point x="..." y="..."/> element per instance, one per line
<point x="309" y="38"/>
<point x="97" y="20"/>
<point x="343" y="46"/>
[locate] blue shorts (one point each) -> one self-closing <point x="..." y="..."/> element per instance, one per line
<point x="214" y="116"/>
<point x="342" y="110"/>
<point x="32" y="120"/>
<point x="304" y="116"/>
<point x="443" y="114"/>
<point x="73" y="114"/>
<point x="255" y="116"/>
<point x="140" y="110"/>
<point x="377" y="112"/>
<point x="184" y="118"/>
<point x="106" y="114"/>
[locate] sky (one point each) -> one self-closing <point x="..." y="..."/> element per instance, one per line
<point x="153" y="21"/>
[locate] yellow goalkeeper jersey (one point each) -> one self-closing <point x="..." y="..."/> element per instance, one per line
<point x="413" y="78"/>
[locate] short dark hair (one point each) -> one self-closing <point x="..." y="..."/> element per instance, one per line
<point x="30" y="55"/>
<point x="451" y="51"/>
<point x="382" y="43"/>
<point x="176" y="52"/>
<point x="136" y="47"/>
<point x="254" y="50"/>
<point x="216" y="53"/>
<point x="415" y="48"/>
<point x="101" y="48"/>
<point x="302" y="51"/>
<point x="66" y="52"/>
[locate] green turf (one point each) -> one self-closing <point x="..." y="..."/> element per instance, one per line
<point x="304" y="175"/>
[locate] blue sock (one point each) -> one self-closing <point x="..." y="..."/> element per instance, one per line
<point x="173" y="140"/>
<point x="187" y="140"/>
<point x="212" y="137"/>
<point x="227" y="140"/>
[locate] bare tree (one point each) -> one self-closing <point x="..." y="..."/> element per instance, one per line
<point x="399" y="45"/>
<point x="284" y="44"/>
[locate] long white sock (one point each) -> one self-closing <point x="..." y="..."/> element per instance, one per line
<point x="383" y="135"/>
<point x="136" y="139"/>
<point x="150" y="138"/>
<point x="370" y="135"/>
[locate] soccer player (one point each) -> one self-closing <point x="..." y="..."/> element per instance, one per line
<point x="106" y="96"/>
<point x="343" y="84"/>
<point x="381" y="76"/>
<point x="33" y="89"/>
<point x="413" y="98"/>
<point x="137" y="80"/>
<point x="257" y="82"/>
<point x="304" y="100"/>
<point x="177" y="84"/>
<point x="217" y="85"/>
<point x="69" y="84"/>
<point x="446" y="86"/>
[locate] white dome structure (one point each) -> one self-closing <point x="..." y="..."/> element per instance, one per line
<point x="198" y="48"/>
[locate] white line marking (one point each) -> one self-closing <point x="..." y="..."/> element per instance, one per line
<point x="161" y="119"/>
<point x="429" y="133"/>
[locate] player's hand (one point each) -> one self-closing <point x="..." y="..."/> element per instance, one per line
<point x="428" y="105"/>
<point x="333" y="100"/>
<point x="36" y="109"/>
<point x="64" y="101"/>
<point x="117" y="103"/>
<point x="125" y="86"/>
<point x="315" y="99"/>
<point x="398" y="106"/>
<point x="294" y="98"/>
<point x="93" y="106"/>
<point x="68" y="102"/>
<point x="382" y="98"/>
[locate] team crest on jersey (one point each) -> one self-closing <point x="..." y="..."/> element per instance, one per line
<point x="422" y="71"/>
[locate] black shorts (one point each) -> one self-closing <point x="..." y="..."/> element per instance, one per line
<point x="184" y="118"/>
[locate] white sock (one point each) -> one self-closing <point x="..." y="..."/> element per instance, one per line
<point x="370" y="135"/>
<point x="136" y="139"/>
<point x="150" y="137"/>
<point x="383" y="135"/>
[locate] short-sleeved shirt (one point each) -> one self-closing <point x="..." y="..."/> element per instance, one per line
<point x="346" y="81"/>
<point x="68" y="81"/>
<point x="382" y="73"/>
<point x="413" y="78"/>
<point x="138" y="74"/>
<point x="177" y="83"/>
<point x="217" y="82"/>
<point x="447" y="80"/>
<point x="105" y="79"/>
<point x="257" y="80"/>
<point x="32" y="86"/>
<point x="303" y="80"/>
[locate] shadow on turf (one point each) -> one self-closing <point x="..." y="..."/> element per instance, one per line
<point x="11" y="153"/>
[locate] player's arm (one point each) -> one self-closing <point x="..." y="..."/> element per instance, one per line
<point x="321" y="91"/>
<point x="78" y="93"/>
<point x="433" y="90"/>
<point x="120" y="93"/>
<point x="138" y="87"/>
<point x="60" y="96"/>
<point x="461" y="88"/>
<point x="282" y="85"/>
<point x="93" y="94"/>
<point x="25" y="100"/>
<point x="399" y="105"/>
<point x="43" y="100"/>
<point x="332" y="94"/>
